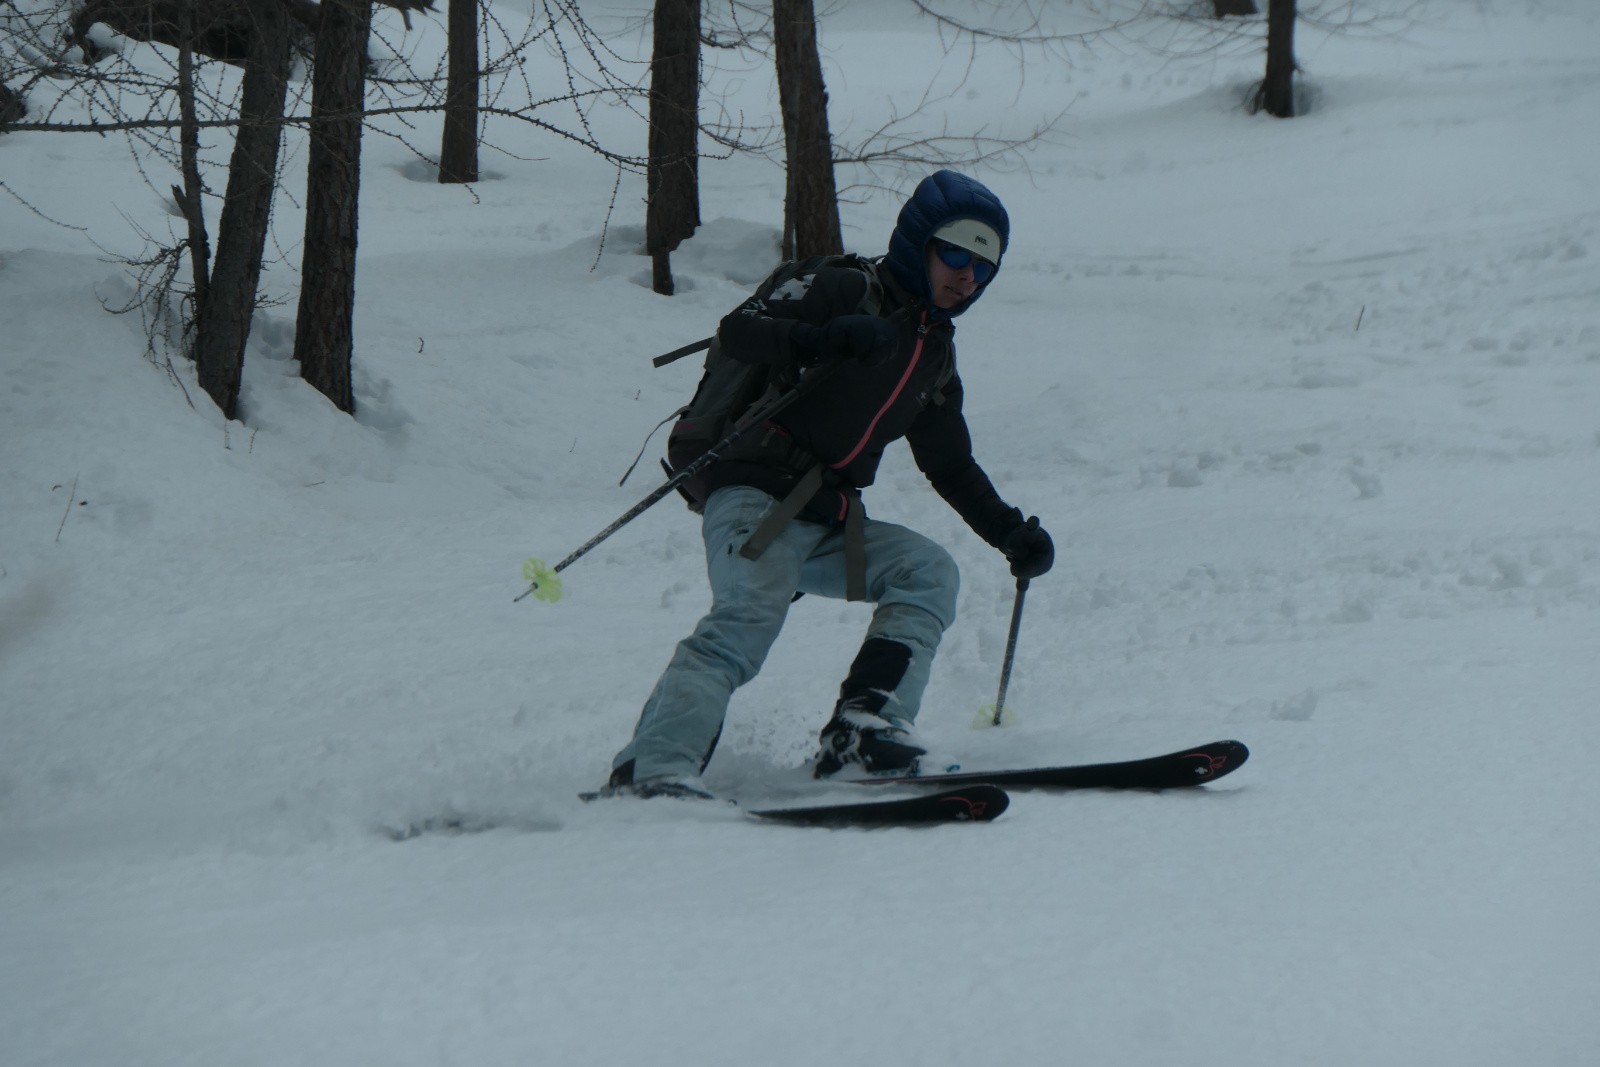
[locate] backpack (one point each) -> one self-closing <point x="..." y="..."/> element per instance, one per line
<point x="728" y="389"/>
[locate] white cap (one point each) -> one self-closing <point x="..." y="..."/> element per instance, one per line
<point x="976" y="237"/>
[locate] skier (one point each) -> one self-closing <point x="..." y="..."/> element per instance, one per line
<point x="782" y="514"/>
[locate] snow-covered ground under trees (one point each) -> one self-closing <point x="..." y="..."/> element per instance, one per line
<point x="1312" y="408"/>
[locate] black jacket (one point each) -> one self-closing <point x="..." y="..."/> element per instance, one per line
<point x="848" y="420"/>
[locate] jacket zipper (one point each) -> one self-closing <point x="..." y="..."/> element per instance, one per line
<point x="916" y="357"/>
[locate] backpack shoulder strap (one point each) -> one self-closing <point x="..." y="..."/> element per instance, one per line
<point x="937" y="396"/>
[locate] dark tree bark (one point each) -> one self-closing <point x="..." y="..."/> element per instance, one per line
<point x="458" y="155"/>
<point x="12" y="106"/>
<point x="189" y="197"/>
<point x="672" y="181"/>
<point x="224" y="322"/>
<point x="811" y="201"/>
<point x="323" y="336"/>
<point x="1276" y="95"/>
<point x="221" y="29"/>
<point x="1224" y="8"/>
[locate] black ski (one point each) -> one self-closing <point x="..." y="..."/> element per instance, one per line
<point x="978" y="802"/>
<point x="975" y="802"/>
<point x="1176" y="770"/>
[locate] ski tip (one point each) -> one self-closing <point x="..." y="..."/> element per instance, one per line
<point x="999" y="800"/>
<point x="1216" y="759"/>
<point x="981" y="803"/>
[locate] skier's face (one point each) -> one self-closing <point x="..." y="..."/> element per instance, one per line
<point x="951" y="286"/>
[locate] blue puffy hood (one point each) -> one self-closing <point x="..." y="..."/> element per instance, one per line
<point x="941" y="197"/>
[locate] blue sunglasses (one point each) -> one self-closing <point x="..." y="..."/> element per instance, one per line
<point x="957" y="258"/>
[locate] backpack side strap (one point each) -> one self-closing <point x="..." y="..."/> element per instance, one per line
<point x="855" y="527"/>
<point x="678" y="353"/>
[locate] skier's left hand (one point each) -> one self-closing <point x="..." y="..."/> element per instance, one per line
<point x="1029" y="549"/>
<point x="866" y="338"/>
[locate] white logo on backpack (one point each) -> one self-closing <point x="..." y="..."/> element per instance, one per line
<point x="794" y="288"/>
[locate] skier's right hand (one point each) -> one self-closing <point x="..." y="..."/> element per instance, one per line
<point x="866" y="338"/>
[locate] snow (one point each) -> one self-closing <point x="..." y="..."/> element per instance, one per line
<point x="1309" y="406"/>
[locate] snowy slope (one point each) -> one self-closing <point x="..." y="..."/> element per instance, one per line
<point x="1310" y="407"/>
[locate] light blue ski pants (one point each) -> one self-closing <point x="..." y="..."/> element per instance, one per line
<point x="912" y="581"/>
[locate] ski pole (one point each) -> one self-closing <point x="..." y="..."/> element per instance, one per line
<point x="543" y="581"/>
<point x="1011" y="650"/>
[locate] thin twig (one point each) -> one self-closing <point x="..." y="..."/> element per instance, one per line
<point x="72" y="495"/>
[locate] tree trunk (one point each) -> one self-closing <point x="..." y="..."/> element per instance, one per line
<point x="1277" y="88"/>
<point x="224" y="321"/>
<point x="1224" y="8"/>
<point x="12" y="106"/>
<point x="190" y="198"/>
<point x="323" y="335"/>
<point x="458" y="155"/>
<point x="811" y="201"/>
<point x="672" y="181"/>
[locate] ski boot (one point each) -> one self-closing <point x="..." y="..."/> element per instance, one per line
<point x="677" y="786"/>
<point x="858" y="735"/>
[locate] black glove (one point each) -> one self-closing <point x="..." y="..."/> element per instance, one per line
<point x="866" y="338"/>
<point x="1029" y="549"/>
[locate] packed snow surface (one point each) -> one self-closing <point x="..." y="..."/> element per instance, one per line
<point x="1311" y="407"/>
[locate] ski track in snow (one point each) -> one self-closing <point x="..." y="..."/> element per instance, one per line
<point x="1309" y="407"/>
